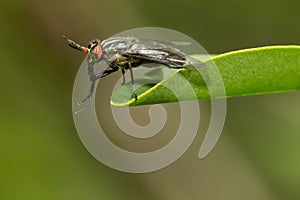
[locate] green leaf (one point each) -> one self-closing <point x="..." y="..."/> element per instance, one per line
<point x="245" y="72"/>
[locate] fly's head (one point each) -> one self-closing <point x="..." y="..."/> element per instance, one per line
<point x="94" y="52"/>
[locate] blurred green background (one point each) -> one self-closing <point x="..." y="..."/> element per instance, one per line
<point x="41" y="155"/>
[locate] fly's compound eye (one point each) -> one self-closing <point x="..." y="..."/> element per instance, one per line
<point x="95" y="51"/>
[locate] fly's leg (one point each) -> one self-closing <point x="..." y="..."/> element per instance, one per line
<point x="89" y="96"/>
<point x="132" y="81"/>
<point x="91" y="74"/>
<point x="105" y="73"/>
<point x="93" y="79"/>
<point x="123" y="72"/>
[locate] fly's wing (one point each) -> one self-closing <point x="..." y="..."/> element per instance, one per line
<point x="152" y="51"/>
<point x="169" y="43"/>
<point x="148" y="51"/>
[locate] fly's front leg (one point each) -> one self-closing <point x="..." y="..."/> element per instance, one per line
<point x="93" y="79"/>
<point x="132" y="81"/>
<point x="89" y="96"/>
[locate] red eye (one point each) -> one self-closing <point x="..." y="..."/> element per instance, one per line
<point x="98" y="51"/>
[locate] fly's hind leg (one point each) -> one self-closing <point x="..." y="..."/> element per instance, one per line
<point x="132" y="81"/>
<point x="123" y="75"/>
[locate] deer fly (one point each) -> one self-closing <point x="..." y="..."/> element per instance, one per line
<point x="126" y="53"/>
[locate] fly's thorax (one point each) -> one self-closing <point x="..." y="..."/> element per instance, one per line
<point x="113" y="47"/>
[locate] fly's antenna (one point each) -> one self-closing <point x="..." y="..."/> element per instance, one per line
<point x="75" y="45"/>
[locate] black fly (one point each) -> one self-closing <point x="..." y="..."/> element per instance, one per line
<point x="126" y="53"/>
